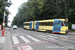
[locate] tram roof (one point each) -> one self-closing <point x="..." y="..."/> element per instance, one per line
<point x="51" y="20"/>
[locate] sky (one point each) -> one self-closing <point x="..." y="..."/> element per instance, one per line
<point x="13" y="9"/>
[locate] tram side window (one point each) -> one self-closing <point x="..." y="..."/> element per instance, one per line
<point x="46" y="23"/>
<point x="40" y="24"/>
<point x="62" y="24"/>
<point x="66" y="23"/>
<point x="27" y="24"/>
<point x="51" y="23"/>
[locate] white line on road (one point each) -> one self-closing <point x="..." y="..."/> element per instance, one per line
<point x="24" y="39"/>
<point x="63" y="36"/>
<point x="33" y="38"/>
<point x="51" y="38"/>
<point x="15" y="40"/>
<point x="2" y="39"/>
<point x="54" y="37"/>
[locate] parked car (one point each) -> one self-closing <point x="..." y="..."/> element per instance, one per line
<point x="14" y="26"/>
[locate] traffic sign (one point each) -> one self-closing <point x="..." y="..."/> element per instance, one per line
<point x="73" y="26"/>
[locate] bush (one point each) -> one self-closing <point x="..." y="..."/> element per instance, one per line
<point x="73" y="30"/>
<point x="70" y="25"/>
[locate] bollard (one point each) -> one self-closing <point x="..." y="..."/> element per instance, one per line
<point x="3" y="29"/>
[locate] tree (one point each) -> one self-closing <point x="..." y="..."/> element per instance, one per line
<point x="45" y="9"/>
<point x="3" y="4"/>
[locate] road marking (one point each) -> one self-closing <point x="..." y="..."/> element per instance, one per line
<point x="43" y="36"/>
<point x="63" y="36"/>
<point x="64" y="39"/>
<point x="24" y="39"/>
<point x="29" y="43"/>
<point x="2" y="39"/>
<point x="25" y="48"/>
<point x="54" y="37"/>
<point x="15" y="40"/>
<point x="51" y="38"/>
<point x="54" y="40"/>
<point x="33" y="38"/>
<point x="71" y="38"/>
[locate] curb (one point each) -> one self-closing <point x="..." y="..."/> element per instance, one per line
<point x="10" y="46"/>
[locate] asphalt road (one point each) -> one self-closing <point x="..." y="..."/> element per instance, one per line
<point x="33" y="40"/>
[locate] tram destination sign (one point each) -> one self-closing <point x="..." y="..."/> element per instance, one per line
<point x="73" y="26"/>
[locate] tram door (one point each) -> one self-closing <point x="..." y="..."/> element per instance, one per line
<point x="30" y="25"/>
<point x="37" y="25"/>
<point x="57" y="26"/>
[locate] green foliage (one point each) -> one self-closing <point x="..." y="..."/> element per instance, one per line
<point x="45" y="9"/>
<point x="73" y="30"/>
<point x="3" y="4"/>
<point x="1" y="12"/>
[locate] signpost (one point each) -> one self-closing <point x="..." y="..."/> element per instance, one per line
<point x="3" y="24"/>
<point x="73" y="26"/>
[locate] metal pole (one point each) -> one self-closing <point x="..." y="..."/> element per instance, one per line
<point x="3" y="24"/>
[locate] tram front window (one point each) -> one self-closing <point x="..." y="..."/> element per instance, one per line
<point x="57" y="23"/>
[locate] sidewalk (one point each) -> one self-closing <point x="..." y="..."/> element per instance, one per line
<point x="71" y="33"/>
<point x="5" y="41"/>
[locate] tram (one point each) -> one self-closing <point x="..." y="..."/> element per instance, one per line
<point x="28" y="25"/>
<point x="51" y="25"/>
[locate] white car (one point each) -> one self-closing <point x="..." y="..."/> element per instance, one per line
<point x="14" y="27"/>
